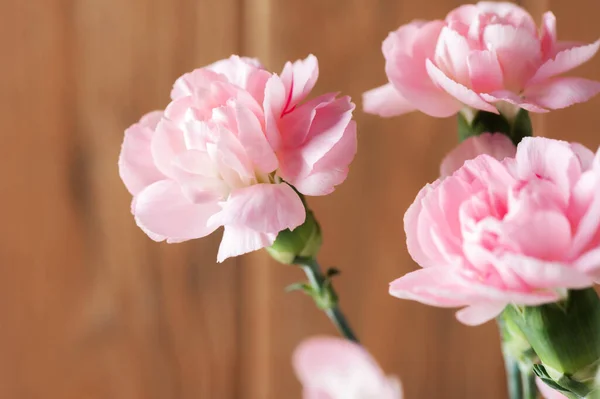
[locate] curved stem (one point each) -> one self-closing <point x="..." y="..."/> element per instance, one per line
<point x="325" y="297"/>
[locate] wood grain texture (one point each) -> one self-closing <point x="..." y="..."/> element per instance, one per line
<point x="91" y="308"/>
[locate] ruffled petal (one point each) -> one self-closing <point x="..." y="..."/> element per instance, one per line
<point x="136" y="165"/>
<point x="564" y="61"/>
<point x="434" y="286"/>
<point x="406" y="51"/>
<point x="485" y="72"/>
<point x="386" y="101"/>
<point x="548" y="35"/>
<point x="246" y="73"/>
<point x="510" y="44"/>
<point x="266" y="208"/>
<point x="458" y="91"/>
<point x="254" y="141"/>
<point x="164" y="212"/>
<point x="480" y="313"/>
<point x="560" y="93"/>
<point x="299" y="78"/>
<point x="239" y="240"/>
<point x="332" y="169"/>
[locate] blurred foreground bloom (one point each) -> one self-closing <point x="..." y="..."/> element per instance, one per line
<point x="334" y="368"/>
<point x="233" y="148"/>
<point x="547" y="392"/>
<point x="519" y="231"/>
<point x="478" y="56"/>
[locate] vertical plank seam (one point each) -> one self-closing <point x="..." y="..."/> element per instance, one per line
<point x="254" y="270"/>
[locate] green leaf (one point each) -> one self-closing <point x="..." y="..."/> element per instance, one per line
<point x="307" y="289"/>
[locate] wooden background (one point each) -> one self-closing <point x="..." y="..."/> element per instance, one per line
<point x="91" y="308"/>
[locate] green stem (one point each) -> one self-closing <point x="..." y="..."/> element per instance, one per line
<point x="528" y="384"/>
<point x="325" y="296"/>
<point x="519" y="359"/>
<point x="339" y="320"/>
<point x="513" y="377"/>
<point x="521" y="381"/>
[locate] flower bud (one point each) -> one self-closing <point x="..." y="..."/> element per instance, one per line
<point x="566" y="338"/>
<point x="303" y="242"/>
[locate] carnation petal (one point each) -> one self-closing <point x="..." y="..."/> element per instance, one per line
<point x="274" y="103"/>
<point x="266" y="208"/>
<point x="252" y="138"/>
<point x="239" y="240"/>
<point x="299" y="79"/>
<point x="136" y="166"/>
<point x="436" y="286"/>
<point x="460" y="92"/>
<point x="328" y="128"/>
<point x="386" y="101"/>
<point x="518" y="51"/>
<point x="165" y="213"/>
<point x="497" y="145"/>
<point x="548" y="159"/>
<point x="485" y="72"/>
<point x="562" y="92"/>
<point x="246" y="73"/>
<point x="406" y="51"/>
<point x="548" y="35"/>
<point x="480" y="313"/>
<point x="168" y="143"/>
<point x="332" y="169"/>
<point x="515" y="14"/>
<point x="338" y="368"/>
<point x="564" y="61"/>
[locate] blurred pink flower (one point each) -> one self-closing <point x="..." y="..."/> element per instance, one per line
<point x="547" y="392"/>
<point x="334" y="368"/>
<point x="518" y="231"/>
<point x="479" y="55"/>
<point x="496" y="145"/>
<point x="227" y="148"/>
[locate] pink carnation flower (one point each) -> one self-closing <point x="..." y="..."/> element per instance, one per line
<point x="478" y="56"/>
<point x="518" y="231"/>
<point x="228" y="149"/>
<point x="334" y="368"/>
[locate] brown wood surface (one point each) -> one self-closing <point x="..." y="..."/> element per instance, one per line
<point x="91" y="308"/>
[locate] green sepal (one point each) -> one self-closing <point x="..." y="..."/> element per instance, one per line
<point x="565" y="335"/>
<point x="483" y="121"/>
<point x="564" y="384"/>
<point x="304" y="241"/>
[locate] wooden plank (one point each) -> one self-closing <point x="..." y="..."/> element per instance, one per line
<point x="40" y="225"/>
<point x="256" y="269"/>
<point x="91" y="308"/>
<point x="579" y="122"/>
<point x="179" y="309"/>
